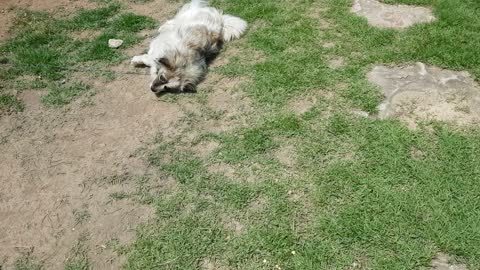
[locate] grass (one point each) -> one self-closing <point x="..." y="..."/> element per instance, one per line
<point x="60" y="95"/>
<point x="27" y="262"/>
<point x="10" y="103"/>
<point x="81" y="216"/>
<point x="44" y="53"/>
<point x="358" y="192"/>
<point x="78" y="258"/>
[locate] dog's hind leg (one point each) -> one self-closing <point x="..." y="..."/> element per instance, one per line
<point x="142" y="60"/>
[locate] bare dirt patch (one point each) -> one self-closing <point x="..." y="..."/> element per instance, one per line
<point x="418" y="92"/>
<point x="211" y="264"/>
<point x="160" y="10"/>
<point x="302" y="105"/>
<point x="328" y="45"/>
<point x="223" y="169"/>
<point x="204" y="149"/>
<point x="49" y="154"/>
<point x="317" y="12"/>
<point x="391" y="16"/>
<point x="234" y="226"/>
<point x="286" y="155"/>
<point x="336" y="63"/>
<point x="224" y="98"/>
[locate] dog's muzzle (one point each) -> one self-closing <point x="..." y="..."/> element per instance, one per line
<point x="158" y="90"/>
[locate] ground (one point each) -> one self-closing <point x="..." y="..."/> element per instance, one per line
<point x="319" y="140"/>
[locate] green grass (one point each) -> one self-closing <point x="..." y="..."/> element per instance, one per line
<point x="81" y="216"/>
<point x="60" y="95"/>
<point x="10" y="103"/>
<point x="360" y="191"/>
<point x="43" y="47"/>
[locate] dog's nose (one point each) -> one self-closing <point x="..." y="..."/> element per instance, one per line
<point x="153" y="89"/>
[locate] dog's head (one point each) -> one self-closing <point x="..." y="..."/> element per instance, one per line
<point x="178" y="72"/>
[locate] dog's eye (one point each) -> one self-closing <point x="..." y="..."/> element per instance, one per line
<point x="163" y="79"/>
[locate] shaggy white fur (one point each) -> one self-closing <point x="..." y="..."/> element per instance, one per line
<point x="179" y="55"/>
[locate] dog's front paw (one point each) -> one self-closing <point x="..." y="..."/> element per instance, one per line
<point x="137" y="61"/>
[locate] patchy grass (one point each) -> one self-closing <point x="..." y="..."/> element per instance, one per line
<point x="78" y="258"/>
<point x="361" y="192"/>
<point x="43" y="48"/>
<point x="81" y="216"/>
<point x="10" y="103"/>
<point x="27" y="262"/>
<point x="60" y="95"/>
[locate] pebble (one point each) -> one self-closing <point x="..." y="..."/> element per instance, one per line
<point x="115" y="43"/>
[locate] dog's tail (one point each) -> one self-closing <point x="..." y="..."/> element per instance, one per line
<point x="233" y="27"/>
<point x="199" y="3"/>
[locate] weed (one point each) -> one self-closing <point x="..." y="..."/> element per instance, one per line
<point x="28" y="262"/>
<point x="81" y="216"/>
<point x="78" y="258"/>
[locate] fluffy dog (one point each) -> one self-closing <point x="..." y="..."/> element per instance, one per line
<point x="178" y="57"/>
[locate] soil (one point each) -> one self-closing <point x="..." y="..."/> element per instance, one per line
<point x="51" y="158"/>
<point x="286" y="155"/>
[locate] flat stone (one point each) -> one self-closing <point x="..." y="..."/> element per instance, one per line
<point x="115" y="43"/>
<point x="442" y="262"/>
<point x="391" y="16"/>
<point x="420" y="92"/>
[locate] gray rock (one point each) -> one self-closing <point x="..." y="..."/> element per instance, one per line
<point x="115" y="43"/>
<point x="418" y="92"/>
<point x="391" y="16"/>
<point x="443" y="262"/>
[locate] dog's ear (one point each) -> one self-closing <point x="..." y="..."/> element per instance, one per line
<point x="165" y="62"/>
<point x="189" y="88"/>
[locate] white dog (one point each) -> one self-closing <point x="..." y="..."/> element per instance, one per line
<point x="179" y="55"/>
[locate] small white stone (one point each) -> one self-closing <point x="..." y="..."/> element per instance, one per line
<point x="115" y="43"/>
